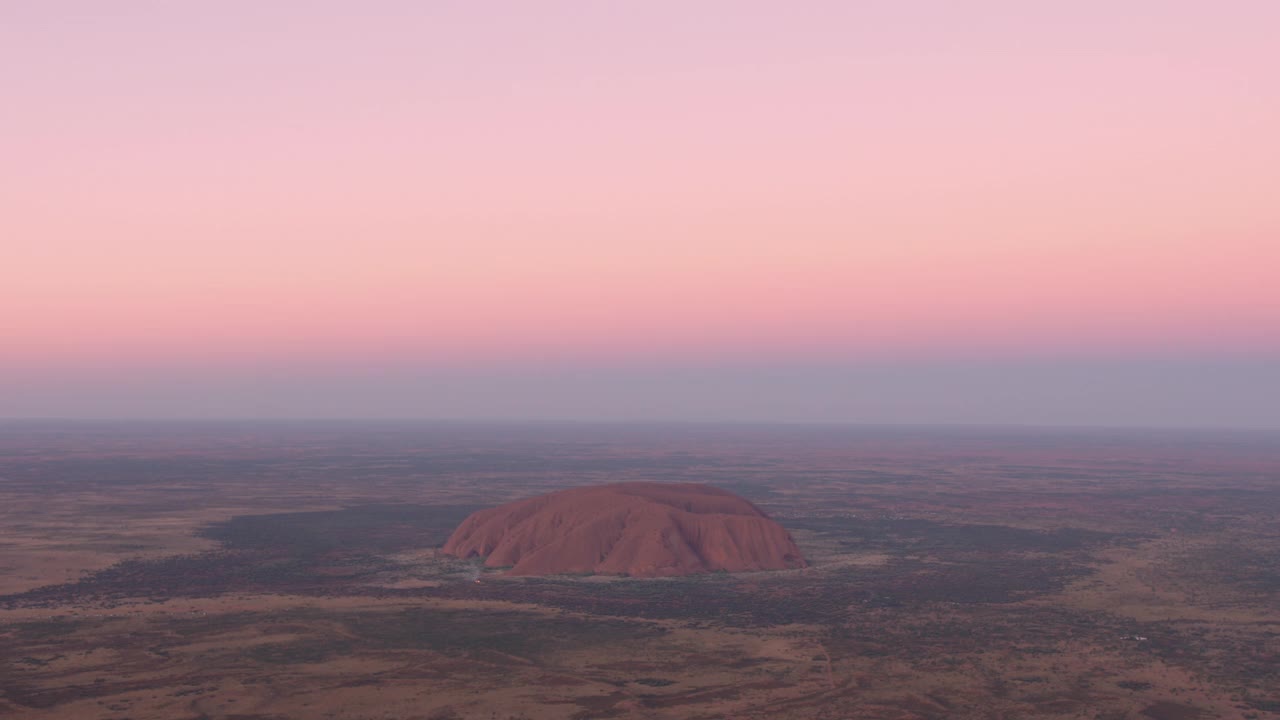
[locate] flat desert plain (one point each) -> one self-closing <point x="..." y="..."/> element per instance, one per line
<point x="262" y="571"/>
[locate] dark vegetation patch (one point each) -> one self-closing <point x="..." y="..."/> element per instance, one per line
<point x="512" y="633"/>
<point x="307" y="552"/>
<point x="311" y="650"/>
<point x="1252" y="569"/>
<point x="653" y="682"/>
<point x="1240" y="654"/>
<point x="1169" y="710"/>
<point x="918" y="536"/>
<point x="40" y="630"/>
<point x="1134" y="685"/>
<point x="366" y="529"/>
<point x="969" y="632"/>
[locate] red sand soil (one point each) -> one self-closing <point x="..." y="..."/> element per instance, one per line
<point x="639" y="529"/>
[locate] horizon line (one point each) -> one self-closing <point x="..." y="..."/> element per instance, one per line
<point x="640" y="422"/>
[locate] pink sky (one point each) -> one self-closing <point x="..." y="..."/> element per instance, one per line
<point x="231" y="183"/>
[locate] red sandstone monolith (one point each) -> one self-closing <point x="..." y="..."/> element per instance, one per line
<point x="641" y="529"/>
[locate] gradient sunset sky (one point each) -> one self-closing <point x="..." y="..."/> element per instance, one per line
<point x="990" y="211"/>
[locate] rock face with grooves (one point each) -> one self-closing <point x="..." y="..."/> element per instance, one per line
<point x="641" y="529"/>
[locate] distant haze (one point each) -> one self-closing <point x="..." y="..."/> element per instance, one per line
<point x="1136" y="393"/>
<point x="994" y="211"/>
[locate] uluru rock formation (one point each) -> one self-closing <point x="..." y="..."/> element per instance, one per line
<point x="643" y="529"/>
